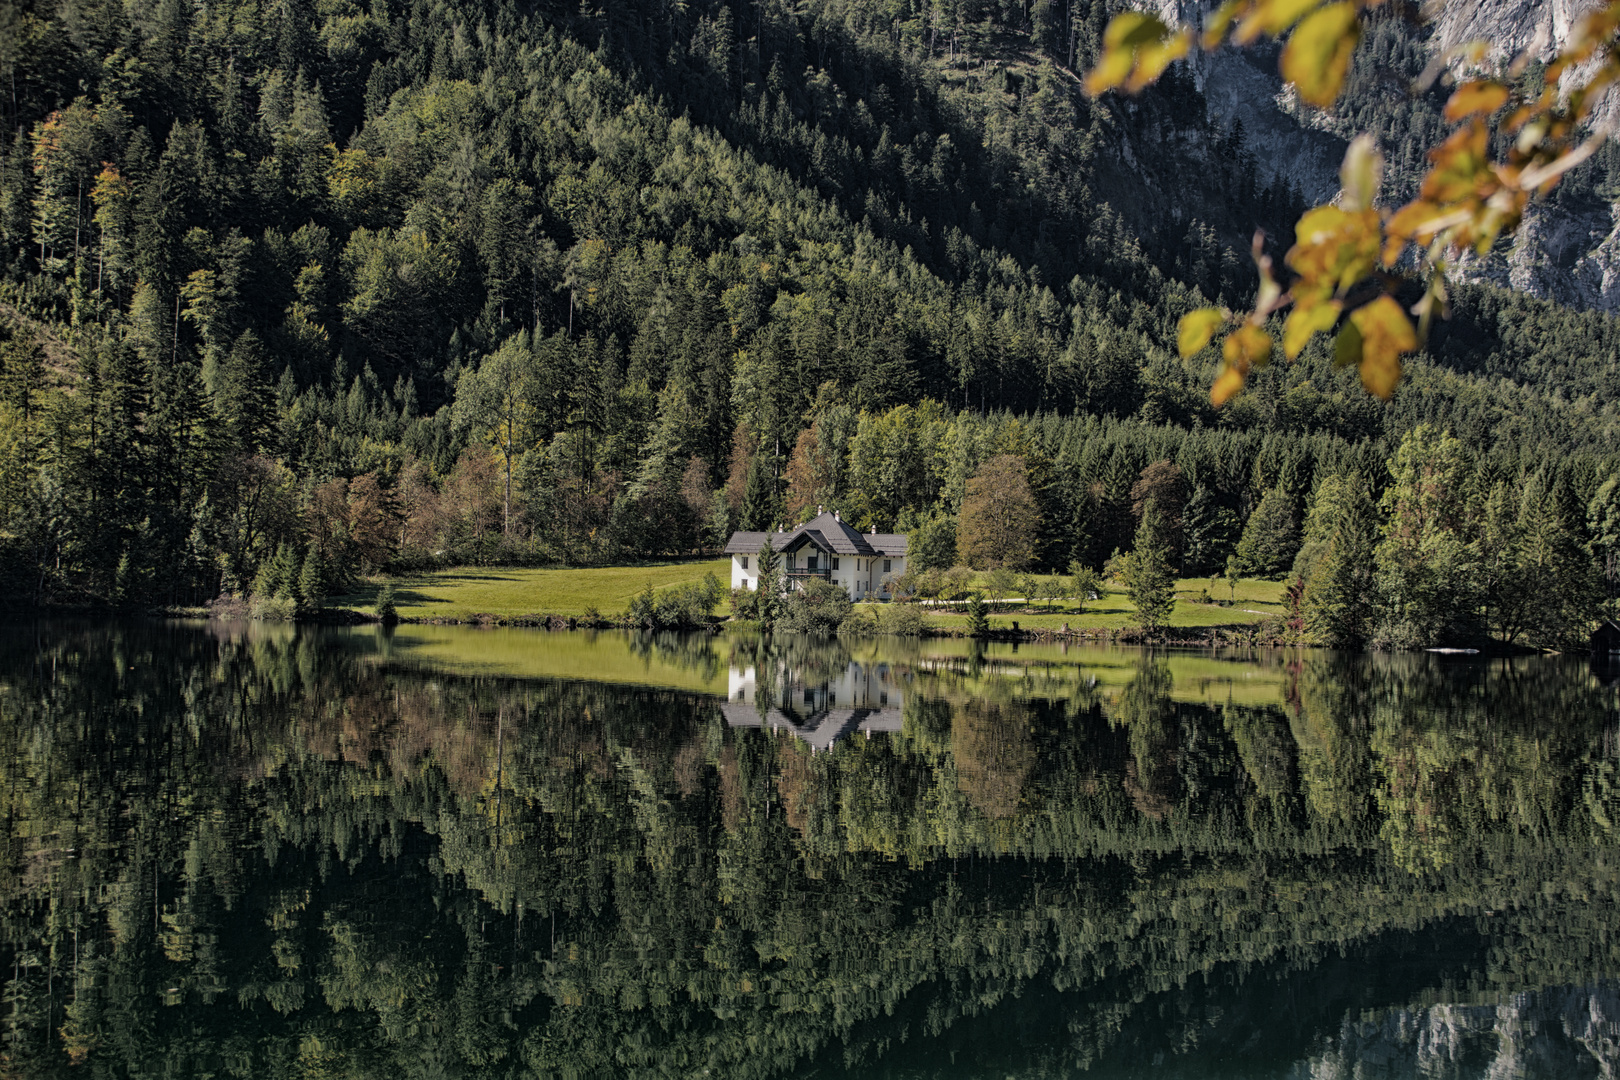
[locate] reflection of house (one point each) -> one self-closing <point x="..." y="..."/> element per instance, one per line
<point x="825" y="547"/>
<point x="860" y="698"/>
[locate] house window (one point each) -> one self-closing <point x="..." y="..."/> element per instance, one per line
<point x="835" y="562"/>
<point x="745" y="562"/>
<point x="813" y="559"/>
<point x="885" y="566"/>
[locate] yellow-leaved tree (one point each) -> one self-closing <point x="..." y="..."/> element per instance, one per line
<point x="1346" y="254"/>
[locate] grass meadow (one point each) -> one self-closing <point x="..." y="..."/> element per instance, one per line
<point x="462" y="594"/>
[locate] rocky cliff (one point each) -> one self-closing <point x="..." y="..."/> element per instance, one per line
<point x="1568" y="1033"/>
<point x="1568" y="251"/>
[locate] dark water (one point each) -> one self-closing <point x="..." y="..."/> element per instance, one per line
<point x="268" y="852"/>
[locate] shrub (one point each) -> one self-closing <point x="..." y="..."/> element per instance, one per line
<point x="274" y="608"/>
<point x="819" y="608"/>
<point x="903" y="620"/>
<point x="680" y="607"/>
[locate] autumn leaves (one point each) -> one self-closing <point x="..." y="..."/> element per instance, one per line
<point x="1345" y="253"/>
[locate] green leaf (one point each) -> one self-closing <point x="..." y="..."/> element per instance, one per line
<point x="1361" y="174"/>
<point x="1347" y="346"/>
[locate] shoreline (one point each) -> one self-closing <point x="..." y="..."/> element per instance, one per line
<point x="1253" y="635"/>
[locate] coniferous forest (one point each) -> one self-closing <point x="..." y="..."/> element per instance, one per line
<point x="315" y="287"/>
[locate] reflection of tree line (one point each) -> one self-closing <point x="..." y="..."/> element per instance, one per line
<point x="365" y="869"/>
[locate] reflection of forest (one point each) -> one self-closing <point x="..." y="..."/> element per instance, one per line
<point x="261" y="852"/>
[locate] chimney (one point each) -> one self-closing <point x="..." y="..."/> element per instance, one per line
<point x="874" y="530"/>
<point x="838" y="515"/>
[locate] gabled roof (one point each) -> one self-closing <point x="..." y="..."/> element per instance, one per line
<point x="828" y="533"/>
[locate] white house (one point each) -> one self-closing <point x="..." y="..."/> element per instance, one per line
<point x="824" y="547"/>
<point x="863" y="697"/>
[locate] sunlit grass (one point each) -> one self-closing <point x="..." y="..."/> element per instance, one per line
<point x="466" y="592"/>
<point x="1254" y="600"/>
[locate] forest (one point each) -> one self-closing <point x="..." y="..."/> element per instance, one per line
<point x="377" y="286"/>
<point x="269" y="850"/>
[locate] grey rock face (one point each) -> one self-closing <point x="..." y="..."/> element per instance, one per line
<point x="1243" y="84"/>
<point x="1510" y="26"/>
<point x="1571" y="256"/>
<point x="1566" y="1033"/>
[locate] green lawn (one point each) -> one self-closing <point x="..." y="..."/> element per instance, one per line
<point x="1255" y="600"/>
<point x="464" y="593"/>
<point x="506" y="593"/>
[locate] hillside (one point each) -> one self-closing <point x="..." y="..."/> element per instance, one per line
<point x="275" y="273"/>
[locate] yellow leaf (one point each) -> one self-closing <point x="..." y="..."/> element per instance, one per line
<point x="1111" y="70"/>
<point x="1318" y="53"/>
<point x="1272" y="17"/>
<point x="1137" y="47"/>
<point x="1480" y="96"/>
<point x="1386" y="333"/>
<point x="1226" y="386"/>
<point x="1362" y="173"/>
<point x="1196" y="328"/>
<point x="1151" y="60"/>
<point x="1305" y="320"/>
<point x="1246" y="347"/>
<point x="1220" y="20"/>
<point x="1129" y="29"/>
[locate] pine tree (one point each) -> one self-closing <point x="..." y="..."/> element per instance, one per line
<point x="1146" y="574"/>
<point x="761" y="508"/>
<point x="1336" y="563"/>
<point x="312" y="580"/>
<point x="1271" y="538"/>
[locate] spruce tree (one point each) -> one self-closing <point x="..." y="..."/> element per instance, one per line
<point x="1336" y="563"/>
<point x="312" y="580"/>
<point x="1271" y="538"/>
<point x="761" y="508"/>
<point x="1146" y="573"/>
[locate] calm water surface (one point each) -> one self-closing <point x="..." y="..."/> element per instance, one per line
<point x="257" y="851"/>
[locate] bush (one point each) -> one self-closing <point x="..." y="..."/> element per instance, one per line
<point x="745" y="604"/>
<point x="681" y="607"/>
<point x="903" y="620"/>
<point x="273" y="608"/>
<point x="819" y="608"/>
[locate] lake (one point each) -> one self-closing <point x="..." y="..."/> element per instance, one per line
<point x="274" y="851"/>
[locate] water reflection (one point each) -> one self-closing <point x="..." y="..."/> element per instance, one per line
<point x="276" y="851"/>
<point x="818" y="707"/>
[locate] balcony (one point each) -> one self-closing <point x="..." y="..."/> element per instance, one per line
<point x="795" y="573"/>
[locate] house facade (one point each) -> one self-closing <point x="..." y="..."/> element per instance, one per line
<point x="823" y="547"/>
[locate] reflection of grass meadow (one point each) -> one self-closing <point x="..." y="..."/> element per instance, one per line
<point x="611" y="656"/>
<point x="508" y="593"/>
<point x="700" y="663"/>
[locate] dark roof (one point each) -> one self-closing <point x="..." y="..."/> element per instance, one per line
<point x="1607" y="636"/>
<point x="820" y="730"/>
<point x="825" y="531"/>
